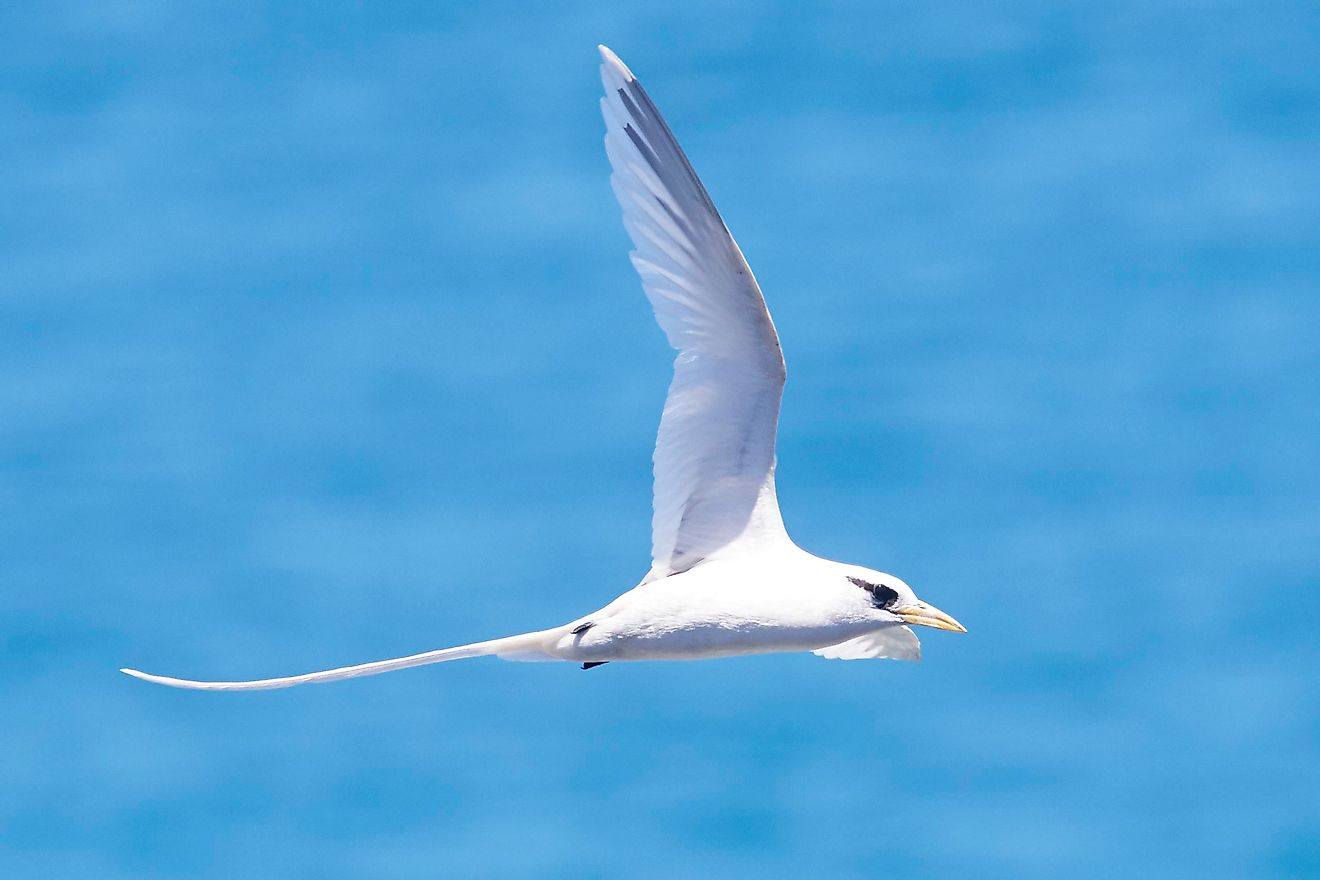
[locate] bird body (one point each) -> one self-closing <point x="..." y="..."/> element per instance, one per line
<point x="783" y="600"/>
<point x="725" y="578"/>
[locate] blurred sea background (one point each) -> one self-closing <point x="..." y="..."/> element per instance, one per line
<point x="319" y="344"/>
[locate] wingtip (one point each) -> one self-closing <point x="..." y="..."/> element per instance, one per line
<point x="612" y="60"/>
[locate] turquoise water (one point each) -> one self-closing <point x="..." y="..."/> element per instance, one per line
<point x="318" y="344"/>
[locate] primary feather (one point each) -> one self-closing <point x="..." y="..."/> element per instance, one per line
<point x="715" y="454"/>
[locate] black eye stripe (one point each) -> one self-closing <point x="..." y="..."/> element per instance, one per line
<point x="882" y="595"/>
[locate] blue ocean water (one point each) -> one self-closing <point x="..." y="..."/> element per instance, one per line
<point x="318" y="344"/>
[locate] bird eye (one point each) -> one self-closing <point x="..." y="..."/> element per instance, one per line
<point x="883" y="597"/>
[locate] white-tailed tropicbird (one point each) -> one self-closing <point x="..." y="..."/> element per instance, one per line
<point x="725" y="578"/>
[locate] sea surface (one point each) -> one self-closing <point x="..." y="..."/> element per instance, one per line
<point x="319" y="344"/>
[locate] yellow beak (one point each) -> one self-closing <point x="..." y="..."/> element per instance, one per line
<point x="921" y="614"/>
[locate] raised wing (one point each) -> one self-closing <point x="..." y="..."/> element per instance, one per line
<point x="715" y="455"/>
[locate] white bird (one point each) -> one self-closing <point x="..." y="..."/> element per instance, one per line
<point x="725" y="578"/>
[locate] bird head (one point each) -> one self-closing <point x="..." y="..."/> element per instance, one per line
<point x="893" y="597"/>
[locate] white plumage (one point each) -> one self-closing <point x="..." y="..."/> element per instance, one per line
<point x="715" y="455"/>
<point x="725" y="578"/>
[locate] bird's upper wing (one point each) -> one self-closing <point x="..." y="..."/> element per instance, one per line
<point x="715" y="454"/>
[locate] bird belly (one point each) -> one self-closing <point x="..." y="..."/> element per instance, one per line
<point x="677" y="623"/>
<point x="702" y="642"/>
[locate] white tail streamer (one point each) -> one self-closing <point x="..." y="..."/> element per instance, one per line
<point x="528" y="646"/>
